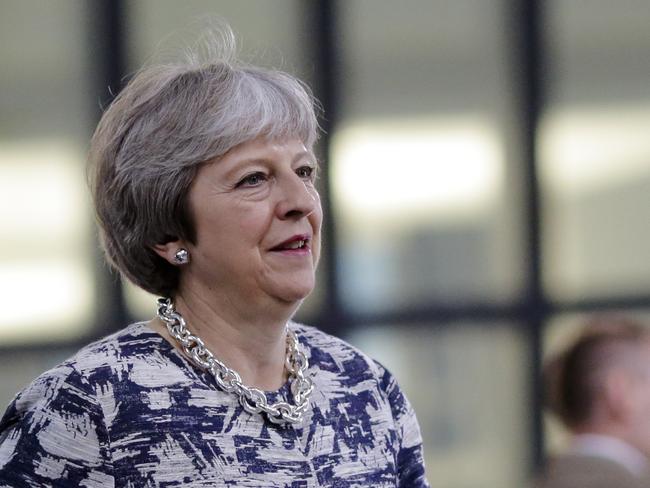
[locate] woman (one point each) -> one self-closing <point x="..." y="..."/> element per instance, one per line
<point x="203" y="180"/>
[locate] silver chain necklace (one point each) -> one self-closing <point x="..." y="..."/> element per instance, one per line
<point x="252" y="399"/>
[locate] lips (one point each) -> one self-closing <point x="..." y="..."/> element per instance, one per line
<point x="294" y="243"/>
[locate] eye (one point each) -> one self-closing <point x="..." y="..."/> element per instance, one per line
<point x="251" y="180"/>
<point x="306" y="173"/>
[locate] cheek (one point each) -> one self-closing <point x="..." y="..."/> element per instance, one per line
<point x="317" y="215"/>
<point x="642" y="405"/>
<point x="316" y="244"/>
<point x="252" y="226"/>
<point x="315" y="220"/>
<point x="316" y="250"/>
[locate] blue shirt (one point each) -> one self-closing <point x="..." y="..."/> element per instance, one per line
<point x="131" y="411"/>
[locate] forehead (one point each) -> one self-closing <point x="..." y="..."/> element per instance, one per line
<point x="262" y="147"/>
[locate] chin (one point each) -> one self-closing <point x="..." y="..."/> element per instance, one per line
<point x="296" y="292"/>
<point x="297" y="296"/>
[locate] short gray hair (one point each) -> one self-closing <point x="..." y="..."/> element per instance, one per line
<point x="167" y="121"/>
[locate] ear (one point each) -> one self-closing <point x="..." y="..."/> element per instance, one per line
<point x="168" y="250"/>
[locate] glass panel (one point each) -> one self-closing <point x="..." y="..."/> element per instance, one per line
<point x="422" y="181"/>
<point x="594" y="150"/>
<point x="467" y="384"/>
<point x="46" y="252"/>
<point x="267" y="32"/>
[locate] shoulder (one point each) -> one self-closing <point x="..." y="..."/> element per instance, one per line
<point x="135" y="356"/>
<point x="331" y="353"/>
<point x="133" y="342"/>
<point x="57" y="428"/>
<point x="82" y="380"/>
<point x="573" y="471"/>
<point x="86" y="361"/>
<point x="348" y="368"/>
<point x="348" y="380"/>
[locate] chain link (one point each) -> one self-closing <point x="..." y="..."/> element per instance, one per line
<point x="253" y="400"/>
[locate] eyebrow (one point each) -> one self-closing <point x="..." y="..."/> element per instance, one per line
<point x="295" y="159"/>
<point x="300" y="155"/>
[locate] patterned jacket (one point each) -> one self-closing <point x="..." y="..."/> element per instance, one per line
<point x="130" y="411"/>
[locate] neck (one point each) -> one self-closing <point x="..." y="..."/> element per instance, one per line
<point x="251" y="340"/>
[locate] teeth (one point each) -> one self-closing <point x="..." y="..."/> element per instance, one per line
<point x="296" y="244"/>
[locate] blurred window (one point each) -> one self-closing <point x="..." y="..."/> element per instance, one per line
<point x="418" y="205"/>
<point x="46" y="250"/>
<point x="425" y="209"/>
<point x="595" y="150"/>
<point x="427" y="204"/>
<point x="467" y="386"/>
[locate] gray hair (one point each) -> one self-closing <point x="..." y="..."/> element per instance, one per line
<point x="167" y="121"/>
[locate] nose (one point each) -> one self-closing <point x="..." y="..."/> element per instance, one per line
<point x="296" y="198"/>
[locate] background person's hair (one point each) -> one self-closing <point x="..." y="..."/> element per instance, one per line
<point x="574" y="379"/>
<point x="168" y="120"/>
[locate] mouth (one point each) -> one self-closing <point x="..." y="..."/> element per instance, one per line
<point x="295" y="243"/>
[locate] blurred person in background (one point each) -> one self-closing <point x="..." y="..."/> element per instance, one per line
<point x="203" y="177"/>
<point x="600" y="390"/>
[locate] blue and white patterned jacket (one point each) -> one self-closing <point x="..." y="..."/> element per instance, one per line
<point x="130" y="411"/>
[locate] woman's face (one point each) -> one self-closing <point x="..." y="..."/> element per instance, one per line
<point x="257" y="216"/>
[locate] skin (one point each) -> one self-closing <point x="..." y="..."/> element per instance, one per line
<point x="638" y="401"/>
<point x="623" y="410"/>
<point x="240" y="287"/>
